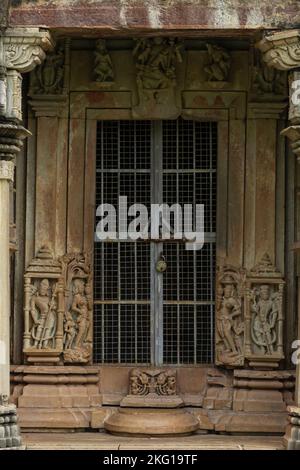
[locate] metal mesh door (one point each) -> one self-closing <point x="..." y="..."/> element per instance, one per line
<point x="189" y="177"/>
<point x="135" y="322"/>
<point x="122" y="269"/>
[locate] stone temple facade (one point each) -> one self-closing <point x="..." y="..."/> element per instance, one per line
<point x="161" y="101"/>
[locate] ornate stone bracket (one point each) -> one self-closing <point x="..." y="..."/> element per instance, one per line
<point x="281" y="50"/>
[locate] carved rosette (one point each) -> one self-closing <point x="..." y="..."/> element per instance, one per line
<point x="264" y="315"/>
<point x="230" y="316"/>
<point x="78" y="318"/>
<point x="43" y="309"/>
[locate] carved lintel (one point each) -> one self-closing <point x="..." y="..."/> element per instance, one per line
<point x="264" y="315"/>
<point x="230" y="316"/>
<point x="281" y="50"/>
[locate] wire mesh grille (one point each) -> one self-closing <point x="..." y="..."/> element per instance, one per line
<point x="123" y="293"/>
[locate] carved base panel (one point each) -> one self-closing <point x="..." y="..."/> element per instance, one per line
<point x="151" y="422"/>
<point x="291" y="439"/>
<point x="9" y="430"/>
<point x="55" y="397"/>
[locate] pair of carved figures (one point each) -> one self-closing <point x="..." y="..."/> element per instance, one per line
<point x="249" y="315"/>
<point x="58" y="307"/>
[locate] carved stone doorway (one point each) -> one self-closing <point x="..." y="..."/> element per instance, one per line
<point x="154" y="299"/>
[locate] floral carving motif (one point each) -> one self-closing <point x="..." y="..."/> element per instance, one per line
<point x="158" y="382"/>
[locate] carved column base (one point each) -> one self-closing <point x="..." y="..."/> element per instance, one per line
<point x="291" y="439"/>
<point x="10" y="437"/>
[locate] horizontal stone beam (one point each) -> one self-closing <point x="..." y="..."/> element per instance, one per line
<point x="153" y="15"/>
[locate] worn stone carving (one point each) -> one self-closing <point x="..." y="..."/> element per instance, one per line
<point x="268" y="80"/>
<point x="25" y="49"/>
<point x="218" y="67"/>
<point x="147" y="381"/>
<point x="7" y="170"/>
<point x="230" y="316"/>
<point x="281" y="50"/>
<point x="11" y="137"/>
<point x="78" y="308"/>
<point x="9" y="429"/>
<point x="155" y="60"/>
<point x="264" y="314"/>
<point x="292" y="434"/>
<point x="48" y="78"/>
<point x="44" y="307"/>
<point x="103" y="66"/>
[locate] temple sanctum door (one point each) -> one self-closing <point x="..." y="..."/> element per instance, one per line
<point x="153" y="298"/>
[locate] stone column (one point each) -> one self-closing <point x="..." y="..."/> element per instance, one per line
<point x="20" y="51"/>
<point x="281" y="50"/>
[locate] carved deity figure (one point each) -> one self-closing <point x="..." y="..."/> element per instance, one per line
<point x="80" y="308"/>
<point x="219" y="63"/>
<point x="264" y="307"/>
<point x="43" y="313"/>
<point x="103" y="66"/>
<point x="229" y="324"/>
<point x="155" y="62"/>
<point x="69" y="329"/>
<point x="48" y="77"/>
